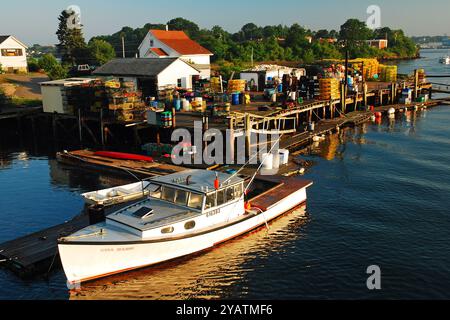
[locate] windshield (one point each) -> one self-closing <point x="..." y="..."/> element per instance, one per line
<point x="179" y="197"/>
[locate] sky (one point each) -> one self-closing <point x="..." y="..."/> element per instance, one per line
<point x="36" y="21"/>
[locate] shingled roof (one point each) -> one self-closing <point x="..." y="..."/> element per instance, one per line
<point x="180" y="42"/>
<point x="3" y="39"/>
<point x="131" y="67"/>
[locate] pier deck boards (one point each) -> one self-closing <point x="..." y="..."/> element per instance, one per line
<point x="34" y="253"/>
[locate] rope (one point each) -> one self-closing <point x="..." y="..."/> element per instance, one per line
<point x="53" y="261"/>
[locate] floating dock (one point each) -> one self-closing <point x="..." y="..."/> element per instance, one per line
<point x="37" y="253"/>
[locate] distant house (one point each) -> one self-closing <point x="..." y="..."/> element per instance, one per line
<point x="176" y="44"/>
<point x="328" y="40"/>
<point x="446" y="42"/>
<point x="152" y="74"/>
<point x="378" y="43"/>
<point x="13" y="55"/>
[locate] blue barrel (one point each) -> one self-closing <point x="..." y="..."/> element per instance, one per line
<point x="235" y="99"/>
<point x="177" y="104"/>
<point x="280" y="87"/>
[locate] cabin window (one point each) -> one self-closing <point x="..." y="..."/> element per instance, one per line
<point x="221" y="197"/>
<point x="167" y="230"/>
<point x="182" y="197"/>
<point x="152" y="43"/>
<point x="189" y="225"/>
<point x="230" y="194"/>
<point x="210" y="201"/>
<point x="195" y="201"/>
<point x="168" y="194"/>
<point x="238" y="190"/>
<point x="155" y="191"/>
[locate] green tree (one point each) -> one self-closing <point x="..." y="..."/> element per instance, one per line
<point x="101" y="52"/>
<point x="47" y="62"/>
<point x="71" y="40"/>
<point x="181" y="24"/>
<point x="354" y="31"/>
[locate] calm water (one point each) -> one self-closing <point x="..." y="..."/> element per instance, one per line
<point x="380" y="197"/>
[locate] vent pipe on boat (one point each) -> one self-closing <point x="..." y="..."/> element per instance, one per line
<point x="96" y="214"/>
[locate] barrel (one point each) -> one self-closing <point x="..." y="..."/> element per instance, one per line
<point x="235" y="99"/>
<point x="280" y="87"/>
<point x="186" y="105"/>
<point x="177" y="104"/>
<point x="284" y="156"/>
<point x="267" y="159"/>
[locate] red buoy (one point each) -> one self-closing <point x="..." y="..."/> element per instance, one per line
<point x="378" y="114"/>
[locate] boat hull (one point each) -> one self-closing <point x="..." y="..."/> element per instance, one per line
<point x="88" y="261"/>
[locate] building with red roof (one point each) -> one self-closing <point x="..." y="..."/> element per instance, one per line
<point x="176" y="44"/>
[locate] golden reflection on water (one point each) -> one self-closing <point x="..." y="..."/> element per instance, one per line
<point x="207" y="275"/>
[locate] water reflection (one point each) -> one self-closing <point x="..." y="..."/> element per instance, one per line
<point x="209" y="275"/>
<point x="63" y="176"/>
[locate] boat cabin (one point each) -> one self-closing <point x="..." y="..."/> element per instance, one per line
<point x="183" y="202"/>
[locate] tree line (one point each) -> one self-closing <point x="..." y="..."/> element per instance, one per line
<point x="278" y="42"/>
<point x="231" y="50"/>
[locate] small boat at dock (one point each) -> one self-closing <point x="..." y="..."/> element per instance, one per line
<point x="185" y="213"/>
<point x="123" y="156"/>
<point x="445" y="60"/>
<point x="117" y="195"/>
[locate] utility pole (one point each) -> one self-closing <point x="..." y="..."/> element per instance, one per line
<point x="123" y="46"/>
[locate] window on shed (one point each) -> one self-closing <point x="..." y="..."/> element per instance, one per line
<point x="12" y="52"/>
<point x="179" y="83"/>
<point x="152" y="43"/>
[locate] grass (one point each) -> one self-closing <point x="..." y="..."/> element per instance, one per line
<point x="23" y="102"/>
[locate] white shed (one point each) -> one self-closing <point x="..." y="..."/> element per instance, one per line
<point x="13" y="55"/>
<point x="53" y="93"/>
<point x="151" y="74"/>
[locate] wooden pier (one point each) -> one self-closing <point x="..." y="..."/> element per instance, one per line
<point x="88" y="159"/>
<point x="37" y="253"/>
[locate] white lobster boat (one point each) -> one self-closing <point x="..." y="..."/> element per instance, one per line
<point x="117" y="195"/>
<point x="185" y="213"/>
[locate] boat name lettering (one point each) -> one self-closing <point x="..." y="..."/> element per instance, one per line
<point x="117" y="249"/>
<point x="213" y="213"/>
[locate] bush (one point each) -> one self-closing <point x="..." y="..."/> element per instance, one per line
<point x="33" y="65"/>
<point x="47" y="62"/>
<point x="57" y="72"/>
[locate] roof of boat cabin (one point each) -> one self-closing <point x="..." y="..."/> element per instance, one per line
<point x="201" y="181"/>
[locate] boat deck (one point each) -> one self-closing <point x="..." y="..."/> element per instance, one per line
<point x="284" y="186"/>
